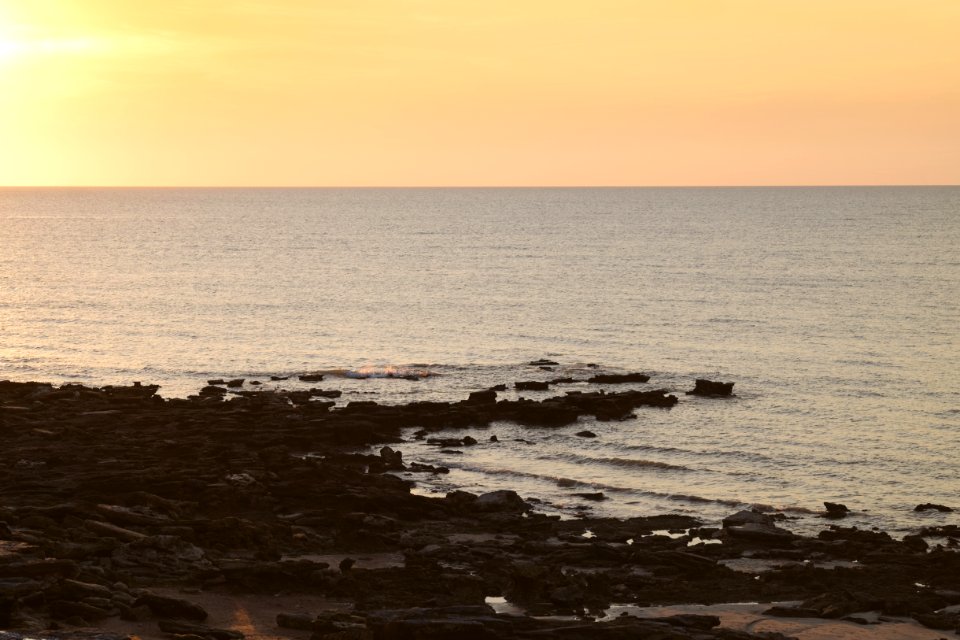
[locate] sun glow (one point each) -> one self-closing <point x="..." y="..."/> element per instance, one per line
<point x="377" y="92"/>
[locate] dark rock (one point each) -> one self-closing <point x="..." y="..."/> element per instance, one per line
<point x="167" y="607"/>
<point x="218" y="381"/>
<point x="311" y="377"/>
<point x="235" y="383"/>
<point x="391" y="459"/>
<point x="596" y="497"/>
<point x="469" y="441"/>
<point x="66" y="609"/>
<point x="503" y="500"/>
<point x="498" y="387"/>
<point x="202" y="630"/>
<point x="76" y="590"/>
<point x="300" y="621"/>
<point x="213" y="391"/>
<point x="691" y="621"/>
<point x="791" y="612"/>
<point x="710" y="388"/>
<point x="747" y="517"/>
<point x="494" y="439"/>
<point x="835" y="510"/>
<point x="346" y="564"/>
<point x="531" y="385"/>
<point x="487" y="396"/>
<point x="618" y="378"/>
<point x="930" y="506"/>
<point x="915" y="543"/>
<point x="279" y="378"/>
<point x="586" y="434"/>
<point x="543" y="362"/>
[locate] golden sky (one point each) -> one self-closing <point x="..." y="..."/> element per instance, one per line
<point x="479" y="92"/>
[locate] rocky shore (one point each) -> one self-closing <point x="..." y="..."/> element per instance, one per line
<point x="121" y="511"/>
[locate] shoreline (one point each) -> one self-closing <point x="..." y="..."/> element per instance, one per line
<point x="119" y="507"/>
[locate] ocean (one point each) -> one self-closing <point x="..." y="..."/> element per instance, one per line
<point x="834" y="310"/>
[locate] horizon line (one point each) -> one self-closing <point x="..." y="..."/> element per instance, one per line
<point x="485" y="186"/>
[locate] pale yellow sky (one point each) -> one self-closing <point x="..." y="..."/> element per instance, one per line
<point x="479" y="92"/>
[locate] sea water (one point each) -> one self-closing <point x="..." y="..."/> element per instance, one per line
<point x="834" y="310"/>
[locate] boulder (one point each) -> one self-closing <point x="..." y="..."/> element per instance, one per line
<point x="710" y="388"/>
<point x="502" y="500"/>
<point x="747" y="517"/>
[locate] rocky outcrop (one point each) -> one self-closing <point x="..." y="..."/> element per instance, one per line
<point x="126" y="493"/>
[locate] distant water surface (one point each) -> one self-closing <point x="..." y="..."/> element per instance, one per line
<point x="835" y="311"/>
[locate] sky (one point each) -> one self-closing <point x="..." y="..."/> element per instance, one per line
<point x="479" y="92"/>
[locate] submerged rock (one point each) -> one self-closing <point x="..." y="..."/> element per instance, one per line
<point x="836" y="510"/>
<point x="934" y="507"/>
<point x="619" y="378"/>
<point x="531" y="385"/>
<point x="710" y="388"/>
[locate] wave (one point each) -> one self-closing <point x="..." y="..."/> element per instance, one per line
<point x="569" y="483"/>
<point x="629" y="463"/>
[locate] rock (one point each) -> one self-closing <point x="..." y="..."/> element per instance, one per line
<point x="112" y="531"/>
<point x="710" y="388"/>
<point x="791" y="612"/>
<point x="37" y="568"/>
<point x="503" y="500"/>
<point x="691" y="621"/>
<point x="915" y="543"/>
<point x="747" y="517"/>
<point x="618" y="378"/>
<point x="391" y="459"/>
<point x="300" y="621"/>
<point x="346" y="564"/>
<point x="756" y="532"/>
<point x="76" y="590"/>
<point x="218" y="381"/>
<point x="279" y="378"/>
<point x="213" y="391"/>
<point x="235" y="383"/>
<point x="167" y="607"/>
<point x="201" y="630"/>
<point x="311" y="377"/>
<point x="543" y="362"/>
<point x="487" y="396"/>
<point x="596" y="497"/>
<point x="930" y="506"/>
<point x="498" y="387"/>
<point x="586" y="434"/>
<point x="469" y="441"/>
<point x="65" y="609"/>
<point x="531" y="385"/>
<point x="835" y="510"/>
<point x="494" y="439"/>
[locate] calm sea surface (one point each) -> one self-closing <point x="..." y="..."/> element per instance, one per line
<point x="835" y="310"/>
